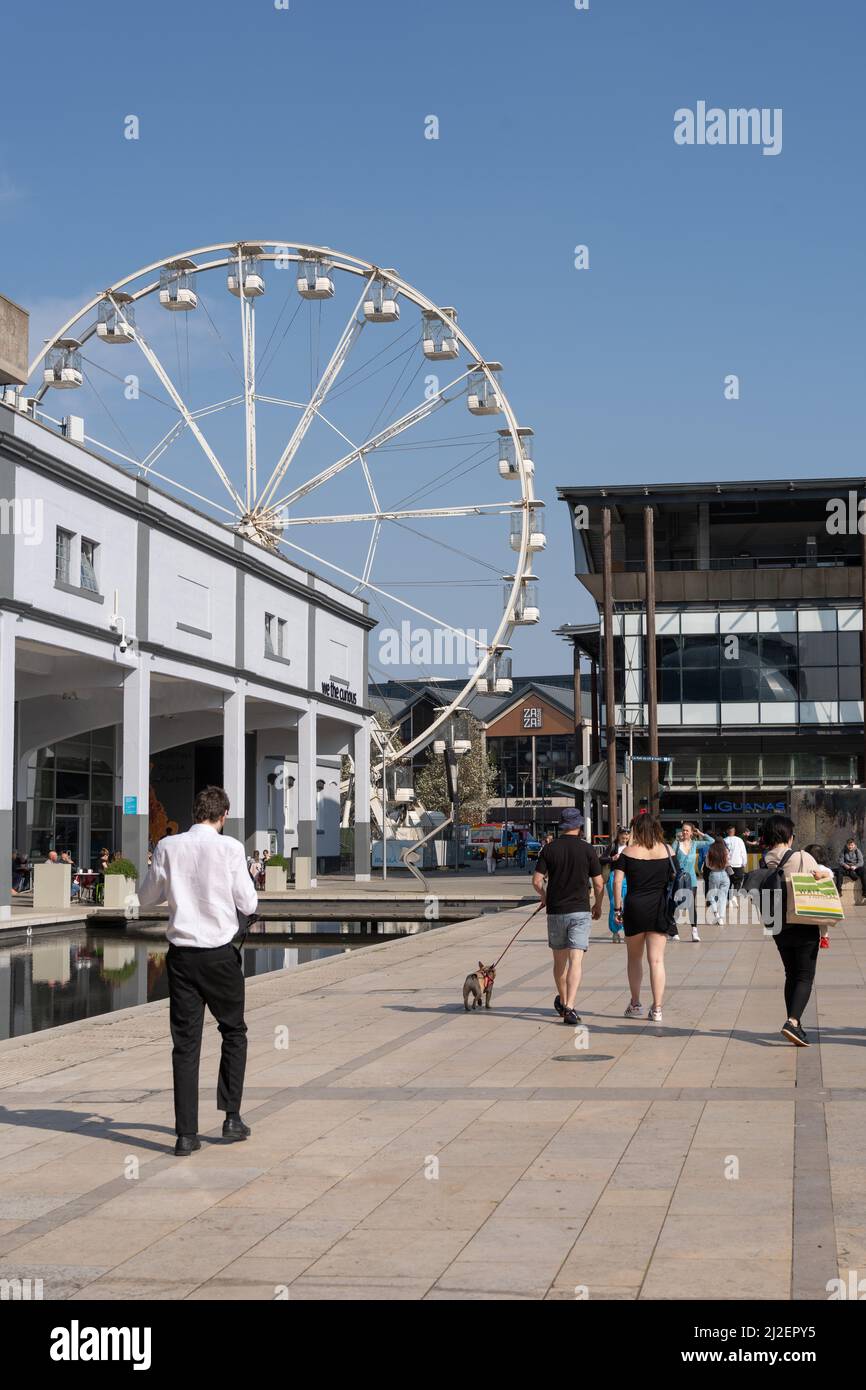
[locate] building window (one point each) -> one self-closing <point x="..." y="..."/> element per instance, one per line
<point x="88" y="565"/>
<point x="193" y="607"/>
<point x="276" y="636"/>
<point x="63" y="555"/>
<point x="339" y="661"/>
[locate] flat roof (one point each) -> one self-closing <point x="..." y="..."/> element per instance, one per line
<point x="640" y="492"/>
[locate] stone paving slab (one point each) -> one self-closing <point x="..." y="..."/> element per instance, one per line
<point x="403" y="1149"/>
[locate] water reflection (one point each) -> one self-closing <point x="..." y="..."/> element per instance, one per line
<point x="82" y="974"/>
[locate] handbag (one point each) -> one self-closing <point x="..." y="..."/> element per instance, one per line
<point x="810" y="902"/>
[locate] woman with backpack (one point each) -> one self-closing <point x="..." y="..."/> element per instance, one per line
<point x="797" y="943"/>
<point x="645" y="864"/>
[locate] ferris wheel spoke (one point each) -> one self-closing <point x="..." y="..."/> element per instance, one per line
<point x="329" y="375"/>
<point x="181" y="405"/>
<point x="371" y="555"/>
<point x="248" y="347"/>
<point x="406" y="422"/>
<point x="467" y="636"/>
<point x="470" y="509"/>
<point x="162" y="445"/>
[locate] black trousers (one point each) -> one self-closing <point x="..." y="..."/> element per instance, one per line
<point x="798" y="947"/>
<point x="212" y="976"/>
<point x="842" y="873"/>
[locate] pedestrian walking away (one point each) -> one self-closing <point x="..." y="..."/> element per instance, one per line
<point x="647" y="866"/>
<point x="562" y="877"/>
<point x="738" y="857"/>
<point x="718" y="882"/>
<point x="797" y="943"/>
<point x="203" y="876"/>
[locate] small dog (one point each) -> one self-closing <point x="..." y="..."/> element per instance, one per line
<point x="478" y="984"/>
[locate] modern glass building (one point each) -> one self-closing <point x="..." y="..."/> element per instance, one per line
<point x="748" y="600"/>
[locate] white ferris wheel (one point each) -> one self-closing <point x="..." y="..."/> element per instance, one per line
<point x="325" y="408"/>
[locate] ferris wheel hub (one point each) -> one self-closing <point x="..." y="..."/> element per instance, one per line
<point x="263" y="527"/>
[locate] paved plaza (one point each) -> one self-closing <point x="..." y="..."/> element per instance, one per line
<point x="403" y="1149"/>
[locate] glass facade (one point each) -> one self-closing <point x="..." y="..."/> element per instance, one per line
<point x="71" y="797"/>
<point x="762" y="667"/>
<point x="554" y="756"/>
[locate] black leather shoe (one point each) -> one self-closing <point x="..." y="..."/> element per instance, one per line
<point x="186" y="1145"/>
<point x="234" y="1128"/>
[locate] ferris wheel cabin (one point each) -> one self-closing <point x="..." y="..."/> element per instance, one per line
<point x="526" y="609"/>
<point x="63" y="365"/>
<point x="483" y="398"/>
<point x="438" y="341"/>
<point x="381" y="305"/>
<point x="314" y="280"/>
<point x="537" y="538"/>
<point x="509" y="467"/>
<point x="116" y="321"/>
<point x="497" y="677"/>
<point x="176" y="286"/>
<point x="245" y="279"/>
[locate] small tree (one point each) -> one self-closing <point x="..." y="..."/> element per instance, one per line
<point x="477" y="774"/>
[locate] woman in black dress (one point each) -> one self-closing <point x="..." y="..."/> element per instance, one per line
<point x="645" y="865"/>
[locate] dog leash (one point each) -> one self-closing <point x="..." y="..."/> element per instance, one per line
<point x="519" y="930"/>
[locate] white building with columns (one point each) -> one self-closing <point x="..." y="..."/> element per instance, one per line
<point x="132" y="625"/>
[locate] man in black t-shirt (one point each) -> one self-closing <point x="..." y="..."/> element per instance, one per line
<point x="568" y="864"/>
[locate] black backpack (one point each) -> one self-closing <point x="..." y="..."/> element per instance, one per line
<point x="762" y="885"/>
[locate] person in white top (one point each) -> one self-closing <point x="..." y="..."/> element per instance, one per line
<point x="738" y="856"/>
<point x="203" y="876"/>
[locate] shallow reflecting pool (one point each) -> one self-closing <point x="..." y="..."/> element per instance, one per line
<point x="62" y="977"/>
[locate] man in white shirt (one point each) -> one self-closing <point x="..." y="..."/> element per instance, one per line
<point x="738" y="856"/>
<point x="203" y="876"/>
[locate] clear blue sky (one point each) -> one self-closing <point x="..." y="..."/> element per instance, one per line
<point x="556" y="128"/>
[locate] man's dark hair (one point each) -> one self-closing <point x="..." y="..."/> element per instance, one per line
<point x="210" y="804"/>
<point x="731" y="830"/>
<point x="818" y="853"/>
<point x="778" y="830"/>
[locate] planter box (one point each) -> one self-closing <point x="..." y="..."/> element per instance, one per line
<point x="117" y="890"/>
<point x="52" y="886"/>
<point x="276" y="881"/>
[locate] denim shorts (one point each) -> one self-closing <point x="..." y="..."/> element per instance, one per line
<point x="568" y="930"/>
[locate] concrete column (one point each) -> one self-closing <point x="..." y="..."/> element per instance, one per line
<point x="863" y="645"/>
<point x="361" y="756"/>
<point x="7" y="759"/>
<point x="234" y="761"/>
<point x="650" y="656"/>
<point x="305" y="861"/>
<point x="609" y="702"/>
<point x="19" y="834"/>
<point x="135" y="790"/>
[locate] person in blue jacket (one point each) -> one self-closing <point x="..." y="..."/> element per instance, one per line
<point x="690" y="847"/>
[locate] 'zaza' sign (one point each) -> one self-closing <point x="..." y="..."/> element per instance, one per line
<point x="339" y="692"/>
